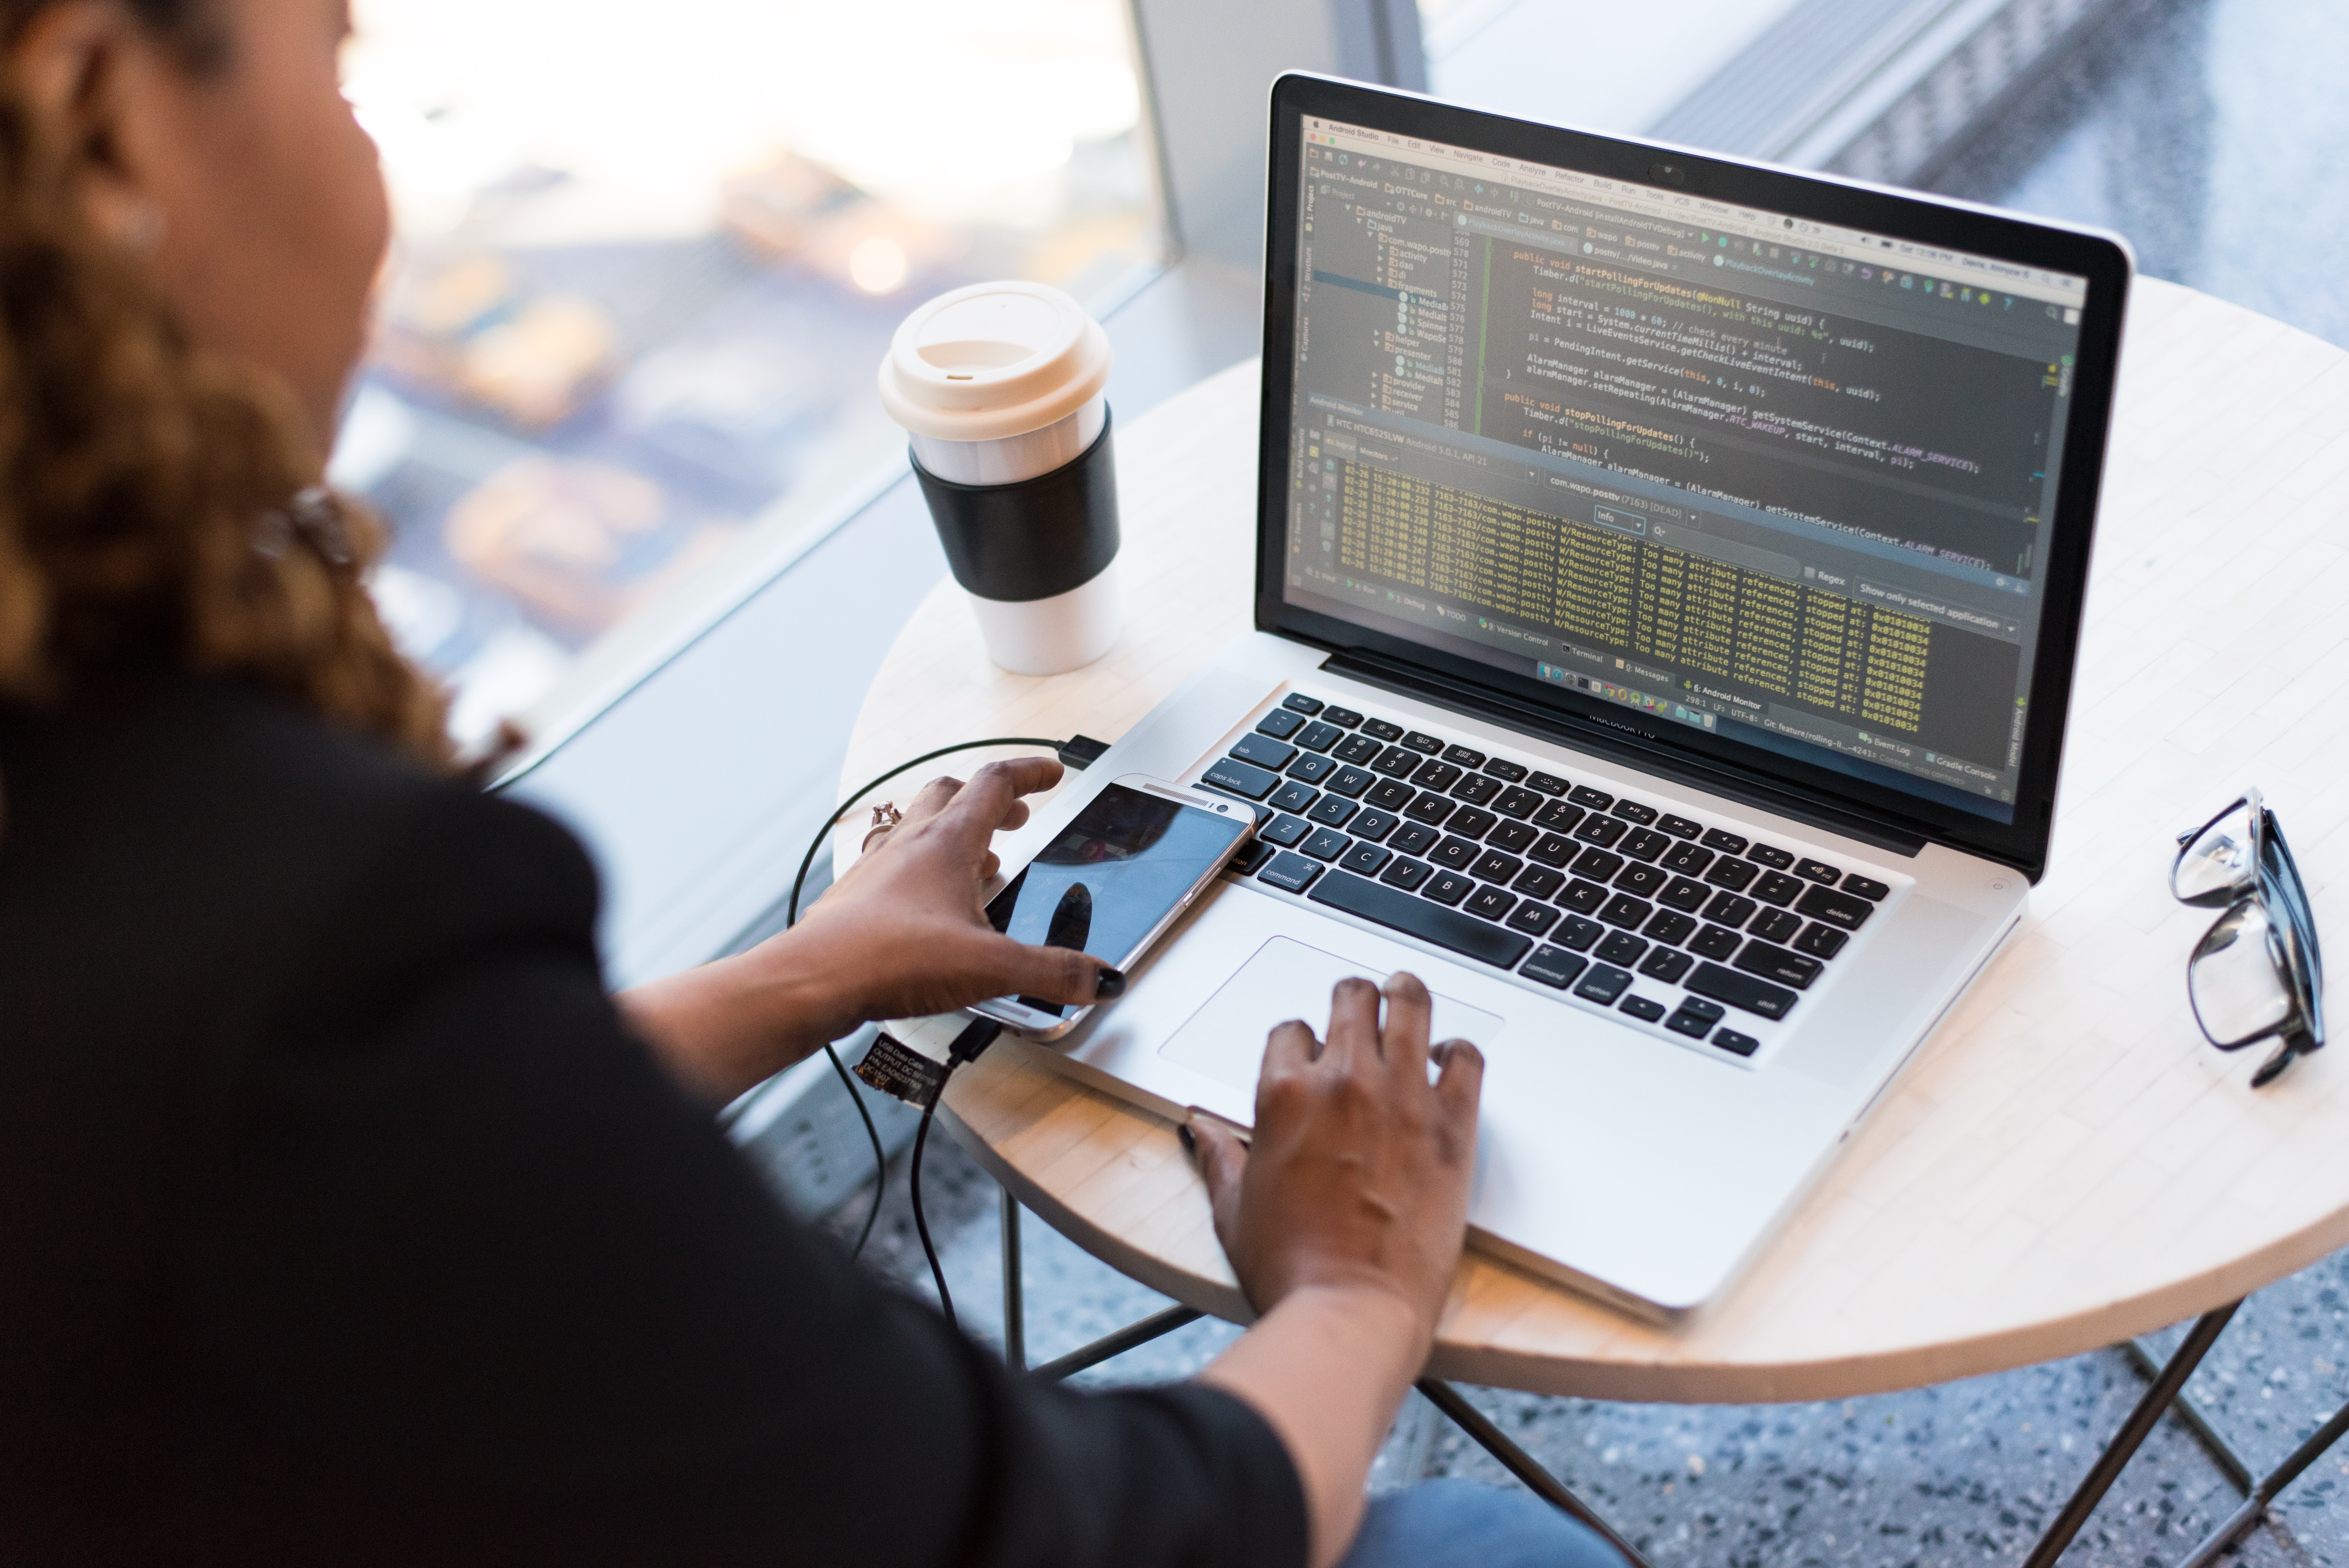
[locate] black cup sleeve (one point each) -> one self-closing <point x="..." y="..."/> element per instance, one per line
<point x="1032" y="540"/>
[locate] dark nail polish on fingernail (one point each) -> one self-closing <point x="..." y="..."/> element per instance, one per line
<point x="1109" y="983"/>
<point x="1190" y="1139"/>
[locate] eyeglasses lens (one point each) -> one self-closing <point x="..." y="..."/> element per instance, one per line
<point x="2218" y="862"/>
<point x="2239" y="993"/>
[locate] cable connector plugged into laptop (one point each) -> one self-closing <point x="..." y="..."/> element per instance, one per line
<point x="1080" y="751"/>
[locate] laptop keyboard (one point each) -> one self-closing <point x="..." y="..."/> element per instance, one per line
<point x="1666" y="919"/>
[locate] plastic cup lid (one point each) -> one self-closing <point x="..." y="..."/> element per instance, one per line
<point x="993" y="360"/>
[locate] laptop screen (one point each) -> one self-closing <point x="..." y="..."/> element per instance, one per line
<point x="1784" y="483"/>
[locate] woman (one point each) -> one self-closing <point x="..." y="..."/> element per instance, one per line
<point x="342" y="1215"/>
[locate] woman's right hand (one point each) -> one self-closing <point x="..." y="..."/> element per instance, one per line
<point x="1358" y="1172"/>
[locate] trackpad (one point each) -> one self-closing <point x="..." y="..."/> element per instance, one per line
<point x="1286" y="979"/>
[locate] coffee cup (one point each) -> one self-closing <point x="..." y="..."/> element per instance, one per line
<point x="1001" y="388"/>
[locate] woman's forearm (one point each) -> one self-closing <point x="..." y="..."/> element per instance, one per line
<point x="1328" y="1368"/>
<point x="726" y="1025"/>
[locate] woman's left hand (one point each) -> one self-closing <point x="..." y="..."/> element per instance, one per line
<point x="903" y="932"/>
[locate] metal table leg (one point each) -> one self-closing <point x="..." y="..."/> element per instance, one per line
<point x="2132" y="1436"/>
<point x="1521" y="1464"/>
<point x="2222" y="1452"/>
<point x="2274" y="1482"/>
<point x="1015" y="1307"/>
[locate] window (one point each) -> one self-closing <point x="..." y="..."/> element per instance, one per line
<point x="646" y="262"/>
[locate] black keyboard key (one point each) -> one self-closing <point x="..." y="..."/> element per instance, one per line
<point x="1538" y="881"/>
<point x="1690" y="858"/>
<point x="1603" y="984"/>
<point x="1421" y="742"/>
<point x="1778" y="888"/>
<point x="1251" y="858"/>
<point x="1372" y="825"/>
<point x="1645" y="880"/>
<point x="1771" y="855"/>
<point x="1293" y="797"/>
<point x="1291" y="871"/>
<point x="1865" y="887"/>
<point x="1774" y="963"/>
<point x="1777" y="925"/>
<point x="1598" y="865"/>
<point x="1600" y="830"/>
<point x="1429" y="807"/>
<point x="1731" y="1040"/>
<point x="1726" y="843"/>
<point x="1401" y="912"/>
<point x="1825" y="903"/>
<point x="1449" y="887"/>
<point x="1515" y="838"/>
<point x="1280" y="724"/>
<point x="1332" y="811"/>
<point x="1476" y="789"/>
<point x="1247" y="782"/>
<point x="1318" y="737"/>
<point x="1583" y="897"/>
<point x="1554" y="966"/>
<point x="1632" y="812"/>
<point x="1579" y="933"/>
<point x="1397" y="762"/>
<point x="1561" y="815"/>
<point x="1490" y="903"/>
<point x="1327" y="844"/>
<point x="1679" y="827"/>
<point x="1284" y="830"/>
<point x="1435" y="776"/>
<point x="1646" y="1009"/>
<point x="1732" y="874"/>
<point x="1670" y="926"/>
<point x="1412" y="838"/>
<point x="1357" y="749"/>
<point x="1493" y="866"/>
<point x="1464" y="756"/>
<point x="1365" y="860"/>
<point x="1454" y="854"/>
<point x="1715" y="941"/>
<point x="1817" y="872"/>
<point x="1820" y="941"/>
<point x="1343" y="717"/>
<point x="1666" y="965"/>
<point x="1406" y="874"/>
<point x="1533" y="919"/>
<point x="1626" y="912"/>
<point x="1349" y="781"/>
<point x="1472" y="822"/>
<point x="1695" y="1017"/>
<point x="1391" y="795"/>
<point x="1381" y="729"/>
<point x="1547" y="783"/>
<point x="1553" y="850"/>
<point x="1743" y="990"/>
<point x="1684" y="894"/>
<point x="1506" y="771"/>
<point x="1729" y="909"/>
<point x="1644" y="844"/>
<point x="1517" y="802"/>
<point x="1311" y="768"/>
<point x="1264" y="751"/>
<point x="1297" y="702"/>
<point x="1592" y="800"/>
<point x="1621" y="947"/>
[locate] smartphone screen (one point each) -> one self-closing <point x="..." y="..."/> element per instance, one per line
<point x="1117" y="869"/>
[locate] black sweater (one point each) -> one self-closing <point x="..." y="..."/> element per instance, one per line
<point x="341" y="1219"/>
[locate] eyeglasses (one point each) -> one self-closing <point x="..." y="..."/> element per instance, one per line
<point x="2256" y="975"/>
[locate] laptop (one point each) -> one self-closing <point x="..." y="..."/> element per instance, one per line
<point x="1669" y="576"/>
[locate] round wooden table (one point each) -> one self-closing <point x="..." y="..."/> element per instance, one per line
<point x="2068" y="1163"/>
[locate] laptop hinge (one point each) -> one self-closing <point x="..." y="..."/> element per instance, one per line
<point x="1465" y="697"/>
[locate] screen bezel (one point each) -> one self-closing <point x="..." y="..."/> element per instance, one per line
<point x="2104" y="260"/>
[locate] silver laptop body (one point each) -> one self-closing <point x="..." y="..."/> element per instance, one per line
<point x="1678" y="563"/>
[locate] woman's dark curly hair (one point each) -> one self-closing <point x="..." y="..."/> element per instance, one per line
<point x="154" y="499"/>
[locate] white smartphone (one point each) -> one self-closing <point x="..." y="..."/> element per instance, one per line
<point x="1112" y="881"/>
